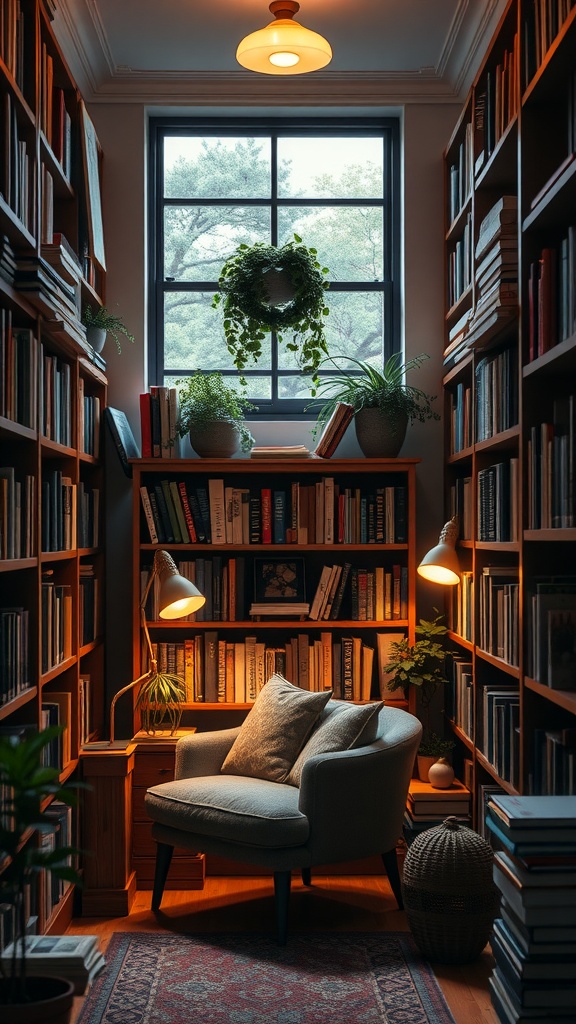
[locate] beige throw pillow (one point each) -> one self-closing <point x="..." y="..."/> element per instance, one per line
<point x="340" y="727"/>
<point x="274" y="730"/>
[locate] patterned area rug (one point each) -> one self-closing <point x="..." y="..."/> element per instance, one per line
<point x="245" y="978"/>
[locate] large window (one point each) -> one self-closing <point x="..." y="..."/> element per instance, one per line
<point x="216" y="184"/>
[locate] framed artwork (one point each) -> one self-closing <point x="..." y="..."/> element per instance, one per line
<point x="90" y="152"/>
<point x="279" y="580"/>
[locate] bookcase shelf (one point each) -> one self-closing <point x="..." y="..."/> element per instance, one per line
<point x="49" y="486"/>
<point x="283" y="640"/>
<point x="523" y="243"/>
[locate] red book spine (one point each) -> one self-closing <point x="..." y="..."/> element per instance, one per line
<point x="146" y="426"/>
<point x="187" y="512"/>
<point x="266" y="502"/>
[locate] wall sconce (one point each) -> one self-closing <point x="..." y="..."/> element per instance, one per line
<point x="177" y="597"/>
<point x="284" y="47"/>
<point x="440" y="564"/>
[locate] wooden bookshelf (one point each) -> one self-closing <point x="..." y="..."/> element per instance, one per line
<point x="510" y="402"/>
<point x="52" y="392"/>
<point x="294" y="644"/>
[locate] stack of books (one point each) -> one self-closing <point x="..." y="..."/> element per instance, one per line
<point x="280" y="451"/>
<point x="496" y="270"/>
<point x="76" y="957"/>
<point x="427" y="807"/>
<point x="534" y="939"/>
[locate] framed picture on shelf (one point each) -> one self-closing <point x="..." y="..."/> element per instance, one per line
<point x="279" y="580"/>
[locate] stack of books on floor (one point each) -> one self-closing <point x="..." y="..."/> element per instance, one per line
<point x="534" y="939"/>
<point x="75" y="957"/>
<point x="427" y="807"/>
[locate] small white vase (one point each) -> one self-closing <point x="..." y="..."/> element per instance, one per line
<point x="441" y="774"/>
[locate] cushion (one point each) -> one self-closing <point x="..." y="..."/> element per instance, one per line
<point x="274" y="730"/>
<point x="249" y="812"/>
<point x="340" y="727"/>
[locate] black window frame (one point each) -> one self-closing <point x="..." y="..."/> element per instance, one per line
<point x="388" y="127"/>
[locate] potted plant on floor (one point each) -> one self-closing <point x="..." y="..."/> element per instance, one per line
<point x="423" y="664"/>
<point x="99" y="323"/>
<point x="384" y="404"/>
<point x="26" y="786"/>
<point x="266" y="288"/>
<point x="212" y="413"/>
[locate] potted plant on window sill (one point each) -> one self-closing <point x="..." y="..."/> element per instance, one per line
<point x="212" y="414"/>
<point x="384" y="404"/>
<point x="26" y="787"/>
<point x="265" y="288"/>
<point x="423" y="664"/>
<point x="99" y="323"/>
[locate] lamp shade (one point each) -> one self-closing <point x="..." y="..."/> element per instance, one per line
<point x="284" y="47"/>
<point x="440" y="564"/>
<point x="177" y="595"/>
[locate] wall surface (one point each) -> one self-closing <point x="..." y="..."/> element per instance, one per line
<point x="121" y="129"/>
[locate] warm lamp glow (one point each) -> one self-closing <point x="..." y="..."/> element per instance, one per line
<point x="178" y="596"/>
<point x="440" y="564"/>
<point x="284" y="47"/>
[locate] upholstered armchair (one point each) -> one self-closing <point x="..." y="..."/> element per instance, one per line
<point x="331" y="805"/>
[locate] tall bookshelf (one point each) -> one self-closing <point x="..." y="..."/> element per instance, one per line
<point x="510" y="420"/>
<point x="52" y="392"/>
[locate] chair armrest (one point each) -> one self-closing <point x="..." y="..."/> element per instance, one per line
<point x="355" y="800"/>
<point x="202" y="753"/>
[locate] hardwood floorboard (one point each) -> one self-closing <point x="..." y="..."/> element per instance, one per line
<point x="337" y="903"/>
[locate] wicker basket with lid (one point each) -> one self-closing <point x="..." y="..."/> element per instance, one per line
<point x="449" y="895"/>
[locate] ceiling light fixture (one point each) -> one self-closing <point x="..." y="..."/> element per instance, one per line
<point x="283" y="47"/>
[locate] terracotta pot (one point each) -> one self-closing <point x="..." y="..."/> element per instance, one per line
<point x="380" y="436"/>
<point x="217" y="440"/>
<point x="51" y="1001"/>
<point x="96" y="336"/>
<point x="424" y="763"/>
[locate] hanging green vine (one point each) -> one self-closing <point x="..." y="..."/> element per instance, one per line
<point x="248" y="314"/>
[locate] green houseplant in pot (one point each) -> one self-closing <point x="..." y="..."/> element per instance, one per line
<point x="212" y="413"/>
<point x="384" y="404"/>
<point x="423" y="664"/>
<point x="99" y="323"/>
<point x="26" y="787"/>
<point x="264" y="288"/>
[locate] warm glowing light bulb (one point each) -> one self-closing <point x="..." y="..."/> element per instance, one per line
<point x="283" y="59"/>
<point x="438" y="574"/>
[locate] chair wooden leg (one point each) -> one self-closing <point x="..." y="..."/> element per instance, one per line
<point x="281" y="899"/>
<point x="163" y="859"/>
<point x="391" y="864"/>
<point x="307" y="876"/>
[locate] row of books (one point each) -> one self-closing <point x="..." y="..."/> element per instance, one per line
<point x="462" y="696"/>
<point x="460" y="419"/>
<point x="159" y="411"/>
<point x="57" y="710"/>
<point x="498" y="612"/>
<point x="70" y="513"/>
<point x="375" y="594"/>
<point x="460" y="264"/>
<point x="89" y="611"/>
<point x="89" y="422"/>
<point x="460" y="174"/>
<point x="320" y="512"/>
<point x="497" y="501"/>
<point x="496" y="103"/>
<point x="552" y="296"/>
<point x="17" y="182"/>
<point x="55" y="120"/>
<point x="534" y="938"/>
<point x="500" y="739"/>
<point x="550" y="460"/>
<point x="551" y="618"/>
<point x="553" y="762"/>
<point x="461" y="606"/>
<point x="215" y="670"/>
<point x="19" y="372"/>
<point x="542" y="20"/>
<point x="18" y="507"/>
<point x="460" y="497"/>
<point x="427" y="807"/>
<point x="14" y="653"/>
<point x="496" y="394"/>
<point x="56" y="608"/>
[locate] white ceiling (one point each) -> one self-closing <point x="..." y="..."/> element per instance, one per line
<point x="173" y="50"/>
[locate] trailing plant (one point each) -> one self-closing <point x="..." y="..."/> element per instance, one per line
<point x="205" y="397"/>
<point x="422" y="664"/>
<point x="26" y="786"/>
<point x="364" y="386"/>
<point x="248" y="313"/>
<point x="101" y="317"/>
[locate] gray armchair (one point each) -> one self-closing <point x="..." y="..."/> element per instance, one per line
<point x="350" y="804"/>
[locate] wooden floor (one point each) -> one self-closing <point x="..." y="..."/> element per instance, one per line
<point x="343" y="903"/>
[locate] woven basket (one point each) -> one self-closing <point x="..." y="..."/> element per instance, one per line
<point x="449" y="896"/>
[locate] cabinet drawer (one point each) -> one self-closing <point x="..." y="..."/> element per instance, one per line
<point x="152" y="768"/>
<point x="185" y="872"/>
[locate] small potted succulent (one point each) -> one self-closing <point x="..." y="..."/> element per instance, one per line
<point x="266" y="288"/>
<point x="99" y="323"/>
<point x="423" y="664"/>
<point x="383" y="402"/>
<point x="212" y="413"/>
<point x="26" y="786"/>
